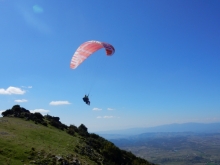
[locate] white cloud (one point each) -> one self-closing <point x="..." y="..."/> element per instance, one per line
<point x="110" y="109"/>
<point x="12" y="90"/>
<point x="42" y="111"/>
<point x="59" y="102"/>
<point x="108" y="117"/>
<point x="21" y="101"/>
<point x="96" y="109"/>
<point x="26" y="86"/>
<point x="99" y="117"/>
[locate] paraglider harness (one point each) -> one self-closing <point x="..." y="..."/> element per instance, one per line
<point x="86" y="99"/>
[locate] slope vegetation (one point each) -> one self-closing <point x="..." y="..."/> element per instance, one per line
<point x="27" y="138"/>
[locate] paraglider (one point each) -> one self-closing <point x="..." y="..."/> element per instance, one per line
<point x="88" y="48"/>
<point x="84" y="51"/>
<point x="86" y="99"/>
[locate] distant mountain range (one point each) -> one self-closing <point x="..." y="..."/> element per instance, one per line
<point x="185" y="127"/>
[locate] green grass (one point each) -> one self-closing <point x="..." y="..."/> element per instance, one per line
<point x="23" y="141"/>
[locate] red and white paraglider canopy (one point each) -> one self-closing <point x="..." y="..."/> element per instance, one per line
<point x="88" y="48"/>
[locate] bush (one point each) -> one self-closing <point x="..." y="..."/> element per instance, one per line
<point x="38" y="116"/>
<point x="94" y="136"/>
<point x="55" y="123"/>
<point x="83" y="130"/>
<point x="16" y="109"/>
<point x="8" y="112"/>
<point x="72" y="129"/>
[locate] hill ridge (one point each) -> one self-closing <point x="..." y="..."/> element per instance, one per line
<point x="31" y="138"/>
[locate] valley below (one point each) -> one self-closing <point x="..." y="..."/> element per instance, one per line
<point x="183" y="148"/>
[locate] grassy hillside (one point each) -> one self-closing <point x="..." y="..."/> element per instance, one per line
<point x="24" y="141"/>
<point x="21" y="141"/>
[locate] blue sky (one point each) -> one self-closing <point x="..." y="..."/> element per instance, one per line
<point x="166" y="68"/>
